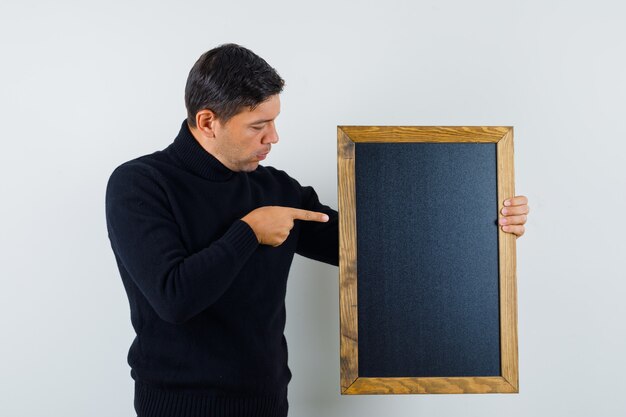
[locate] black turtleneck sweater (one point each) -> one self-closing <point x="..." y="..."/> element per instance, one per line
<point x="207" y="302"/>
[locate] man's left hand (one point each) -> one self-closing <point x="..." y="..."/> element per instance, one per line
<point x="514" y="215"/>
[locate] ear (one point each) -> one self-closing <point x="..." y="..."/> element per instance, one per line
<point x="206" y="122"/>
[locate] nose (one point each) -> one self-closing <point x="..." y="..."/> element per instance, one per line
<point x="272" y="135"/>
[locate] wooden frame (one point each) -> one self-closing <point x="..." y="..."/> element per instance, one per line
<point x="351" y="383"/>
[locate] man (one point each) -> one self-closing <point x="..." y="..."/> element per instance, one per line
<point x="204" y="238"/>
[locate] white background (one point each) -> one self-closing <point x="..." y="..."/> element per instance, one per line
<point x="86" y="86"/>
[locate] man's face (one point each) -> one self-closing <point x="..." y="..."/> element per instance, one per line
<point x="247" y="137"/>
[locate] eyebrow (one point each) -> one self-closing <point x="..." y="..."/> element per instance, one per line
<point x="260" y="121"/>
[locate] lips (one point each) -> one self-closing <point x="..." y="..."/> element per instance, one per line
<point x="262" y="156"/>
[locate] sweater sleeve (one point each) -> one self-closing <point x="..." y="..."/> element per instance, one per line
<point x="147" y="241"/>
<point x="319" y="241"/>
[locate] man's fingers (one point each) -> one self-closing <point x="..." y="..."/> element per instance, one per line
<point x="313" y="216"/>
<point x="513" y="220"/>
<point x="518" y="200"/>
<point x="516" y="230"/>
<point x="515" y="210"/>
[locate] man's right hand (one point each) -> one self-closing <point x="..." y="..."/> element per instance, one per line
<point x="272" y="224"/>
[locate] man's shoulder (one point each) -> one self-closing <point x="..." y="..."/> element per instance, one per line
<point x="141" y="165"/>
<point x="140" y="170"/>
<point x="150" y="163"/>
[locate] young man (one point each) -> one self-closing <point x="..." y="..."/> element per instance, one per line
<point x="204" y="238"/>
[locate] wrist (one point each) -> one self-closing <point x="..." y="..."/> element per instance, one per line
<point x="247" y="221"/>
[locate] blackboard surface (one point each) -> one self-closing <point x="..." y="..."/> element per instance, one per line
<point x="427" y="239"/>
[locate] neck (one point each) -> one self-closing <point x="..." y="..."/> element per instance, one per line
<point x="194" y="154"/>
<point x="206" y="143"/>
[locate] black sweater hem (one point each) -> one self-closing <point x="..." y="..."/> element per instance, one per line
<point x="152" y="401"/>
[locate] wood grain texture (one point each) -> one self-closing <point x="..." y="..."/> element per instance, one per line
<point x="449" y="385"/>
<point x="345" y="147"/>
<point x="479" y="134"/>
<point x="351" y="383"/>
<point x="347" y="261"/>
<point x="507" y="255"/>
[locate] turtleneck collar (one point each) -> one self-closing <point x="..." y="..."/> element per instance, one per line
<point x="196" y="158"/>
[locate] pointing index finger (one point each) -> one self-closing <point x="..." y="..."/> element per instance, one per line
<point x="314" y="216"/>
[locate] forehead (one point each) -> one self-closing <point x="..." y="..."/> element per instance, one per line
<point x="264" y="112"/>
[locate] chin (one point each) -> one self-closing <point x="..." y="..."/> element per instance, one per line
<point x="251" y="167"/>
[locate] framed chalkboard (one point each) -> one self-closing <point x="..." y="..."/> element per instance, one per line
<point x="427" y="277"/>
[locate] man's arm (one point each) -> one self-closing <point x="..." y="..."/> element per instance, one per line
<point x="146" y="238"/>
<point x="319" y="241"/>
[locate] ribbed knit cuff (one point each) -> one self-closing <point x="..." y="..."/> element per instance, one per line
<point x="242" y="238"/>
<point x="157" y="402"/>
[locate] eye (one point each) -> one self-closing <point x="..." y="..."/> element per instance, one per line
<point x="257" y="127"/>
